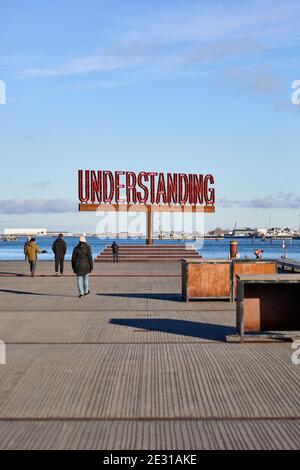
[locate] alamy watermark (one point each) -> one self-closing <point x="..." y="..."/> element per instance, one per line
<point x="2" y="92"/>
<point x="2" y="352"/>
<point x="184" y="225"/>
<point x="296" y="353"/>
<point x="296" y="94"/>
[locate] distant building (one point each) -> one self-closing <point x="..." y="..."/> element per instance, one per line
<point x="262" y="232"/>
<point x="25" y="231"/>
<point x="218" y="232"/>
<point x="242" y="232"/>
<point x="281" y="232"/>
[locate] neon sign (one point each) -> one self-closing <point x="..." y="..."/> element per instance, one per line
<point x="128" y="187"/>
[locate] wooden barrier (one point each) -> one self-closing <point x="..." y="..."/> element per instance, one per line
<point x="216" y="278"/>
<point x="206" y="279"/>
<point x="250" y="266"/>
<point x="266" y="305"/>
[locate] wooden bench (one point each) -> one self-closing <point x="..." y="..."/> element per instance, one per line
<point x="267" y="307"/>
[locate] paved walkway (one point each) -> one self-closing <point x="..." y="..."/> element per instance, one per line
<point x="131" y="366"/>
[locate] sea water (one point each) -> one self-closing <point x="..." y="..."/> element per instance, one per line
<point x="211" y="248"/>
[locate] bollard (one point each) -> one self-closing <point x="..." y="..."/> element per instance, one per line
<point x="234" y="248"/>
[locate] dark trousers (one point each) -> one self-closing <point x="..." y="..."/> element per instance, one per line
<point x="32" y="265"/>
<point x="59" y="262"/>
<point x="115" y="257"/>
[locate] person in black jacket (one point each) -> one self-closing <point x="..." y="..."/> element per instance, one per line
<point x="115" y="251"/>
<point x="82" y="264"/>
<point x="59" y="249"/>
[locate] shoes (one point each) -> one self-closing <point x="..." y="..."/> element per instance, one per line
<point x="56" y="274"/>
<point x="87" y="292"/>
<point x="80" y="296"/>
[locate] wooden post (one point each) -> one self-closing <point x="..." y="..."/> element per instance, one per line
<point x="234" y="248"/>
<point x="149" y="226"/>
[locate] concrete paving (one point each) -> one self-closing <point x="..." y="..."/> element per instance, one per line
<point x="131" y="366"/>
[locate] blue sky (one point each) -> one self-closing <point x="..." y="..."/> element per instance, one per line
<point x="189" y="86"/>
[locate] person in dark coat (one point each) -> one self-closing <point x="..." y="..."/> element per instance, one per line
<point x="59" y="249"/>
<point x="115" y="251"/>
<point x="82" y="264"/>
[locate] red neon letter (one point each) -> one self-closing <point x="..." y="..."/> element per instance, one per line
<point x="130" y="187"/>
<point x="143" y="200"/>
<point x="108" y="197"/>
<point x="198" y="188"/>
<point x="183" y="179"/>
<point x="172" y="182"/>
<point x="80" y="186"/>
<point x="209" y="194"/>
<point x="118" y="186"/>
<point x="152" y="186"/>
<point x="161" y="189"/>
<point x="96" y="186"/>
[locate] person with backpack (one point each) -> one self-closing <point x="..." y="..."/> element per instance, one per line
<point x="59" y="249"/>
<point x="82" y="264"/>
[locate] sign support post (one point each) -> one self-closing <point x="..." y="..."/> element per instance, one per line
<point x="149" y="227"/>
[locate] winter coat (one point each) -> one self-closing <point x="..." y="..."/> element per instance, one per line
<point x="115" y="247"/>
<point x="25" y="246"/>
<point x="31" y="251"/>
<point x="59" y="248"/>
<point x="82" y="261"/>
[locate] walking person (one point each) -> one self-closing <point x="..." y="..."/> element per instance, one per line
<point x="59" y="249"/>
<point x="82" y="264"/>
<point x="115" y="252"/>
<point x="31" y="252"/>
<point x="25" y="246"/>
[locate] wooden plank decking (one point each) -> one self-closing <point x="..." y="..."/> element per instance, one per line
<point x="132" y="367"/>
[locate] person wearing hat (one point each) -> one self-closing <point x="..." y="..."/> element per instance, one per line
<point x="31" y="251"/>
<point x="82" y="264"/>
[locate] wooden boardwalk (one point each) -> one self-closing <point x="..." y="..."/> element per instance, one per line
<point x="132" y="367"/>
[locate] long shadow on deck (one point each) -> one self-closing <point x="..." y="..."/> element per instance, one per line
<point x="23" y="292"/>
<point x="10" y="274"/>
<point x="178" y="327"/>
<point x="144" y="295"/>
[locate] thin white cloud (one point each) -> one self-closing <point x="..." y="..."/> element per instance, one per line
<point x="45" y="184"/>
<point x="226" y="49"/>
<point x="82" y="65"/>
<point x="275" y="22"/>
<point x="265" y="82"/>
<point x="279" y="201"/>
<point x="190" y="32"/>
<point x="38" y="206"/>
<point x="251" y="78"/>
